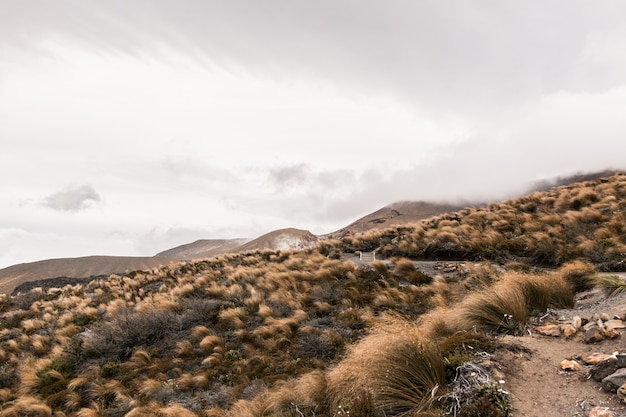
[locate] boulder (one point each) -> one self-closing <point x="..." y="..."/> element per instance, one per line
<point x="605" y="368"/>
<point x="549" y="330"/>
<point x="568" y="330"/>
<point x="615" y="324"/>
<point x="614" y="381"/>
<point x="568" y="365"/>
<point x="595" y="358"/>
<point x="577" y="322"/>
<point x="594" y="335"/>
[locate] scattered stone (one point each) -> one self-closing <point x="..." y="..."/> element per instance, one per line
<point x="568" y="365"/>
<point x="621" y="393"/>
<point x="601" y="412"/>
<point x="605" y="368"/>
<point x="594" y="335"/>
<point x="615" y="324"/>
<point x="604" y="317"/>
<point x="553" y="330"/>
<point x="568" y="330"/>
<point x="614" y="381"/>
<point x="611" y="333"/>
<point x="577" y="322"/>
<point x="595" y="358"/>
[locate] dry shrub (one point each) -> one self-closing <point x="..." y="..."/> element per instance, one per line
<point x="611" y="284"/>
<point x="507" y="305"/>
<point x="579" y="274"/>
<point x="403" y="371"/>
<point x="303" y="396"/>
<point x="26" y="406"/>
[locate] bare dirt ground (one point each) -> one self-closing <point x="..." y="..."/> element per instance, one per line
<point x="532" y="374"/>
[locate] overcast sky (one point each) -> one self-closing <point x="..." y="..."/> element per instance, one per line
<point x="130" y="127"/>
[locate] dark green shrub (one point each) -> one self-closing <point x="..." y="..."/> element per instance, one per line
<point x="110" y="370"/>
<point x="488" y="401"/>
<point x="462" y="347"/>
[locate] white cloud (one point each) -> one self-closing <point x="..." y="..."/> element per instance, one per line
<point x="235" y="118"/>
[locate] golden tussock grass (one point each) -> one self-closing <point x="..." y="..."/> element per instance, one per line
<point x="27" y="406"/>
<point x="507" y="305"/>
<point x="402" y="370"/>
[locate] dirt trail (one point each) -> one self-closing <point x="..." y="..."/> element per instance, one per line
<point x="537" y="384"/>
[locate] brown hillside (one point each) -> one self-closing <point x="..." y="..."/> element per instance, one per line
<point x="283" y="239"/>
<point x="586" y="220"/>
<point x="403" y="212"/>
<point x="202" y="249"/>
<point x="294" y="333"/>
<point x="82" y="267"/>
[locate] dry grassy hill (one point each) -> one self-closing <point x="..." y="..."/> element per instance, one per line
<point x="404" y="212"/>
<point x="83" y="267"/>
<point x="296" y="333"/>
<point x="202" y="249"/>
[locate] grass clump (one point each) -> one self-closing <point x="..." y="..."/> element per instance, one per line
<point x="611" y="284"/>
<point x="579" y="274"/>
<point x="404" y="372"/>
<point x="506" y="306"/>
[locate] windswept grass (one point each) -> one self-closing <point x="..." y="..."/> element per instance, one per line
<point x="401" y="370"/>
<point x="611" y="284"/>
<point x="507" y="306"/>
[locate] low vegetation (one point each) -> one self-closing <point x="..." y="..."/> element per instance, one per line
<point x="304" y="333"/>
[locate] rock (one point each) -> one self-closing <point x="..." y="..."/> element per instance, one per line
<point x="595" y="358"/>
<point x="594" y="335"/>
<point x="611" y="333"/>
<point x="549" y="330"/>
<point x="614" y="381"/>
<point x="605" y="368"/>
<point x="568" y="365"/>
<point x="600" y="412"/>
<point x="604" y="317"/>
<point x="577" y="322"/>
<point x="568" y="330"/>
<point x="615" y="324"/>
<point x="621" y="393"/>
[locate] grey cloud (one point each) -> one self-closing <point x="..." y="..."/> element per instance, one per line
<point x="72" y="199"/>
<point x="289" y="176"/>
<point x="477" y="56"/>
